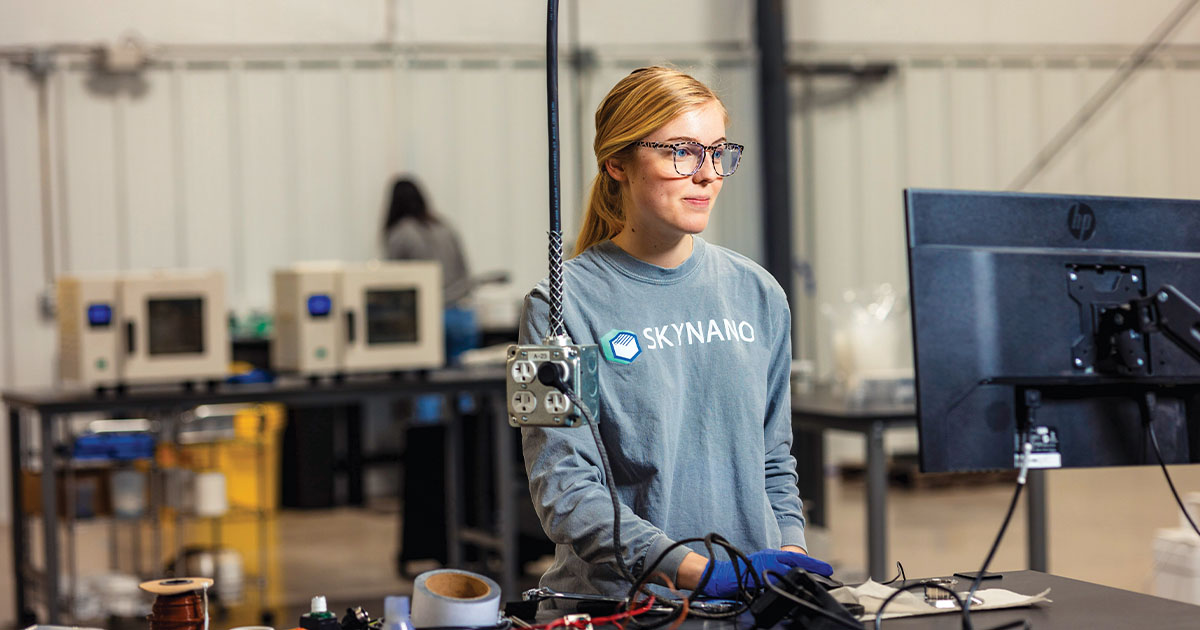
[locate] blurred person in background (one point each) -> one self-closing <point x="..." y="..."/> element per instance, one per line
<point x="412" y="232"/>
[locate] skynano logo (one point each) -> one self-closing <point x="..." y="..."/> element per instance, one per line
<point x="620" y="346"/>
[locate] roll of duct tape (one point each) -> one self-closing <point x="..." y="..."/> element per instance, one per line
<point x="452" y="598"/>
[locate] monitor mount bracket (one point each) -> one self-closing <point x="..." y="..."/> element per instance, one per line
<point x="1122" y="334"/>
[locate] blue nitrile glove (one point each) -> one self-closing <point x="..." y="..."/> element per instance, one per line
<point x="724" y="582"/>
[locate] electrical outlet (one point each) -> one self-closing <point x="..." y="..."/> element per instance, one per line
<point x="532" y="402"/>
<point x="522" y="371"/>
<point x="523" y="402"/>
<point x="557" y="403"/>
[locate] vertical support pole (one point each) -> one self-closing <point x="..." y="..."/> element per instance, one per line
<point x="876" y="504"/>
<point x="775" y="136"/>
<point x="808" y="447"/>
<point x="265" y="509"/>
<point x="505" y="499"/>
<point x="20" y="537"/>
<point x="454" y="493"/>
<point x="50" y="521"/>
<point x="354" y="455"/>
<point x="1038" y="560"/>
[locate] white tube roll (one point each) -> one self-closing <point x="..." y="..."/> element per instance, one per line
<point x="211" y="499"/>
<point x="453" y="598"/>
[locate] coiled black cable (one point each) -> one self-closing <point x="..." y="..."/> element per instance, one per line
<point x="745" y="593"/>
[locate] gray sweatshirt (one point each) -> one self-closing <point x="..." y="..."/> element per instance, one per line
<point x="414" y="239"/>
<point x="695" y="413"/>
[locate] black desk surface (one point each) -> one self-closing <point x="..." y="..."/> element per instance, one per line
<point x="821" y="406"/>
<point x="353" y="387"/>
<point x="1076" y="606"/>
<point x="823" y="401"/>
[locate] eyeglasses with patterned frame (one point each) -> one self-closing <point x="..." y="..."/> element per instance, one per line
<point x="689" y="156"/>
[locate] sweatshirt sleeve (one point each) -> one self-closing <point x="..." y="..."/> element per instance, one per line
<point x="780" y="465"/>
<point x="567" y="485"/>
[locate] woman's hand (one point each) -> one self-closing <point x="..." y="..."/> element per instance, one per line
<point x="794" y="548"/>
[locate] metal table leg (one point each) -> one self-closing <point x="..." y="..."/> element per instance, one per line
<point x="506" y="516"/>
<point x="877" y="562"/>
<point x="20" y="537"/>
<point x="50" y="522"/>
<point x="808" y="447"/>
<point x="454" y="492"/>
<point x="1036" y="523"/>
<point x="354" y="456"/>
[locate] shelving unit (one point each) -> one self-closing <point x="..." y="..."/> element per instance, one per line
<point x="36" y="417"/>
<point x="156" y="510"/>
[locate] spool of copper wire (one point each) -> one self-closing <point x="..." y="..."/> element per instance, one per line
<point x="178" y="612"/>
<point x="181" y="603"/>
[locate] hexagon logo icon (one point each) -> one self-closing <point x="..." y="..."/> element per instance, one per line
<point x="620" y="346"/>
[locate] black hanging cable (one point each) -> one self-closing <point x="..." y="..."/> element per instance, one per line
<point x="1012" y="506"/>
<point x="557" y="328"/>
<point x="608" y="479"/>
<point x="1027" y="451"/>
<point x="1148" y="401"/>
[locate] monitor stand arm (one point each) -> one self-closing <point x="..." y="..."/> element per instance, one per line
<point x="1168" y="311"/>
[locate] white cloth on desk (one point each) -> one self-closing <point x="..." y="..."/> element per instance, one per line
<point x="871" y="594"/>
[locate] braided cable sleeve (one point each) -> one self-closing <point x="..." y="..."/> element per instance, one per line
<point x="557" y="328"/>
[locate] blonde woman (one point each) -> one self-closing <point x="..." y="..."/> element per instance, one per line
<point x="694" y="389"/>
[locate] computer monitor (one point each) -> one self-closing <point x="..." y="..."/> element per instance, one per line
<point x="1056" y="314"/>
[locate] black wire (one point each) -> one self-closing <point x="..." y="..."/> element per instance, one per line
<point x="610" y="482"/>
<point x="1148" y="418"/>
<point x="1024" y="623"/>
<point x="557" y="329"/>
<point x="743" y="597"/>
<point x="1012" y="506"/>
<point x="908" y="587"/>
<point x="552" y="109"/>
<point x="899" y="575"/>
<point x="803" y="602"/>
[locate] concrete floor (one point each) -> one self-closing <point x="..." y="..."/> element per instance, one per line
<point x="1102" y="526"/>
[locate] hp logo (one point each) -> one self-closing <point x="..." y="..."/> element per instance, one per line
<point x="1081" y="221"/>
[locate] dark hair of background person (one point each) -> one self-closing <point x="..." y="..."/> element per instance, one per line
<point x="407" y="201"/>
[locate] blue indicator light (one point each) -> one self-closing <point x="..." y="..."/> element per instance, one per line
<point x="99" y="315"/>
<point x="319" y="305"/>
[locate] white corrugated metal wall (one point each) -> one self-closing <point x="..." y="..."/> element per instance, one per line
<point x="246" y="158"/>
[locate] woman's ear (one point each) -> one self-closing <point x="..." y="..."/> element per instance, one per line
<point x="615" y="169"/>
